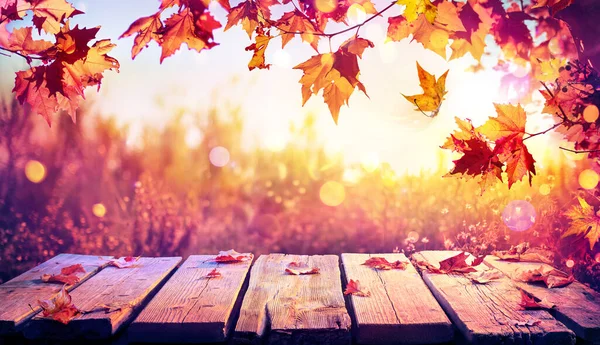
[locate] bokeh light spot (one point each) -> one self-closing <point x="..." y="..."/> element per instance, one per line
<point x="370" y="161"/>
<point x="356" y="14"/>
<point x="332" y="193"/>
<point x="35" y="171"/>
<point x="219" y="156"/>
<point x="570" y="263"/>
<point x="588" y="179"/>
<point x="326" y="6"/>
<point x="545" y="189"/>
<point x="519" y="215"/>
<point x="193" y="137"/>
<point x="99" y="210"/>
<point x="413" y="235"/>
<point x="591" y="113"/>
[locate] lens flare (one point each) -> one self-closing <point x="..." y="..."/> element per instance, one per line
<point x="99" y="210"/>
<point x="519" y="215"/>
<point x="219" y="156"/>
<point x="588" y="179"/>
<point x="545" y="189"/>
<point x="35" y="171"/>
<point x="332" y="193"/>
<point x="591" y="113"/>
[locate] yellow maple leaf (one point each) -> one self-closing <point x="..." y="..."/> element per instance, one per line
<point x="433" y="91"/>
<point x="416" y="7"/>
<point x="584" y="221"/>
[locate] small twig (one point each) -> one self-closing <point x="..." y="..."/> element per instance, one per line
<point x="544" y="131"/>
<point x="578" y="151"/>
<point x="26" y="57"/>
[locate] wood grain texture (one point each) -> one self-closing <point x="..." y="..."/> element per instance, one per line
<point x="400" y="310"/>
<point x="487" y="314"/>
<point x="576" y="305"/>
<point x="191" y="308"/>
<point x="111" y="286"/>
<point x="280" y="308"/>
<point x="18" y="294"/>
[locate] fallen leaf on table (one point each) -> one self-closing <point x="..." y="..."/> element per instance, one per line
<point x="552" y="277"/>
<point x="213" y="274"/>
<point x="124" y="262"/>
<point x="455" y="264"/>
<point x="60" y="308"/>
<point x="231" y="256"/>
<point x="379" y="263"/>
<point x="300" y="268"/>
<point x="529" y="322"/>
<point x="485" y="277"/>
<point x="353" y="288"/>
<point x="67" y="275"/>
<point x="524" y="253"/>
<point x="528" y="302"/>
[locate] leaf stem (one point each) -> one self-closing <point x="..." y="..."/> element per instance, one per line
<point x="544" y="131"/>
<point x="577" y="151"/>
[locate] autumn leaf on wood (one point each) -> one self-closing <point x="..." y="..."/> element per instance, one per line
<point x="68" y="275"/>
<point x="124" y="262"/>
<point x="353" y="288"/>
<point x="524" y="253"/>
<point x="231" y="256"/>
<point x="546" y="274"/>
<point x="454" y="264"/>
<point x="60" y="308"/>
<point x="300" y="268"/>
<point x="584" y="221"/>
<point x="380" y="263"/>
<point x="484" y="277"/>
<point x="529" y="302"/>
<point x="433" y="92"/>
<point x="213" y="274"/>
<point x="527" y="323"/>
<point x="334" y="73"/>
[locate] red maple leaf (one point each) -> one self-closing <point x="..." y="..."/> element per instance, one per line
<point x="353" y="288"/>
<point x="213" y="274"/>
<point x="231" y="256"/>
<point x="60" y="308"/>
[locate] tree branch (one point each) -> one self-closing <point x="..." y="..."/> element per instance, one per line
<point x="578" y="151"/>
<point x="544" y="131"/>
<point x="26" y="57"/>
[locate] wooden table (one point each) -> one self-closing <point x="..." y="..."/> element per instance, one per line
<point x="258" y="302"/>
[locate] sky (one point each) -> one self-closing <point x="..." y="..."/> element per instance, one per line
<point x="383" y="126"/>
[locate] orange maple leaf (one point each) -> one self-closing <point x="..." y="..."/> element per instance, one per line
<point x="353" y="288"/>
<point x="259" y="47"/>
<point x="145" y="29"/>
<point x="433" y="92"/>
<point x="295" y="21"/>
<point x="584" y="221"/>
<point x="124" y="262"/>
<point x="60" y="308"/>
<point x="334" y="73"/>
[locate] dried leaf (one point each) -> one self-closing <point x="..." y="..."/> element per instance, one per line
<point x="382" y="264"/>
<point x="353" y="288"/>
<point x="213" y="274"/>
<point x="124" y="262"/>
<point x="546" y="274"/>
<point x="485" y="277"/>
<point x="232" y="256"/>
<point x="524" y="253"/>
<point x="67" y="275"/>
<point x="300" y="268"/>
<point x="433" y="91"/>
<point x="584" y="221"/>
<point x="529" y="302"/>
<point x="60" y="308"/>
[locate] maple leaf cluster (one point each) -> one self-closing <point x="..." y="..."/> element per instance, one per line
<point x="495" y="147"/>
<point x="59" y="71"/>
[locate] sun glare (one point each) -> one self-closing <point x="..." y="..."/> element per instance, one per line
<point x="35" y="171"/>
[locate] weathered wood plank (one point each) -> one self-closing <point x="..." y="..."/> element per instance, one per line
<point x="192" y="308"/>
<point x="18" y="294"/>
<point x="400" y="310"/>
<point x="287" y="309"/>
<point x="576" y="305"/>
<point x="128" y="287"/>
<point x="488" y="314"/>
